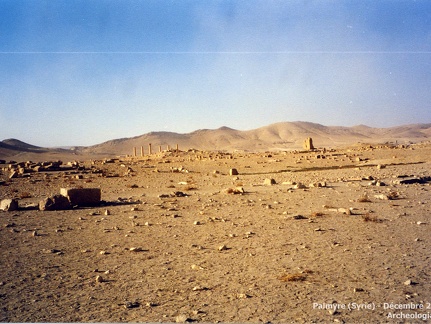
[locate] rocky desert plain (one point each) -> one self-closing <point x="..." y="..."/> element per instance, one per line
<point x="271" y="233"/>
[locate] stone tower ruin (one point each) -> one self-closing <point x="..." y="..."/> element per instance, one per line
<point x="308" y="144"/>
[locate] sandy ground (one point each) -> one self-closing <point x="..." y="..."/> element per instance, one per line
<point x="214" y="256"/>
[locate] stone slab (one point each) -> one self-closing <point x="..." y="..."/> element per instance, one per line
<point x="82" y="197"/>
<point x="9" y="205"/>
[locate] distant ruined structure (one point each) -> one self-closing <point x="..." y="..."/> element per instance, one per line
<point x="308" y="144"/>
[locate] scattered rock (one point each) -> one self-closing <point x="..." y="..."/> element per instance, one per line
<point x="132" y="304"/>
<point x="196" y="267"/>
<point x="99" y="279"/>
<point x="222" y="248"/>
<point x="317" y="184"/>
<point x="411" y="180"/>
<point x="299" y="185"/>
<point x="298" y="217"/>
<point x="136" y="249"/>
<point x="182" y="319"/>
<point x="269" y="182"/>
<point x="151" y="304"/>
<point x="382" y="197"/>
<point x="179" y="194"/>
<point x="199" y="288"/>
<point x="409" y="282"/>
<point x="233" y="172"/>
<point x="82" y="197"/>
<point x="345" y="211"/>
<point x="180" y="169"/>
<point x="9" y="205"/>
<point x="235" y="191"/>
<point x="57" y="202"/>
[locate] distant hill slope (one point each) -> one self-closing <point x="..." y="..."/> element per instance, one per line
<point x="278" y="136"/>
<point x="13" y="149"/>
<point x="10" y="147"/>
<point x="13" y="143"/>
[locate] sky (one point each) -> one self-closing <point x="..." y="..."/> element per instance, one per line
<point x="78" y="72"/>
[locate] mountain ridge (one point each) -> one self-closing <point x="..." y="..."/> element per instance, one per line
<point x="281" y="135"/>
<point x="277" y="136"/>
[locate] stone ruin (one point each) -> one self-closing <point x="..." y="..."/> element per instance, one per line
<point x="68" y="198"/>
<point x="308" y="144"/>
<point x="23" y="169"/>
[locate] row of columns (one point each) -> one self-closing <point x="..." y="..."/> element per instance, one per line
<point x="150" y="151"/>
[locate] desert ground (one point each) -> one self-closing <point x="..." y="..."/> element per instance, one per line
<point x="336" y="235"/>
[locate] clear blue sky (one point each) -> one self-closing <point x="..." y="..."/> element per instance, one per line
<point x="83" y="72"/>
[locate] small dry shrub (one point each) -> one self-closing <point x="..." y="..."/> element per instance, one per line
<point x="307" y="271"/>
<point x="370" y="218"/>
<point x="393" y="195"/>
<point x="364" y="198"/>
<point x="293" y="277"/>
<point x="317" y="214"/>
<point x="235" y="191"/>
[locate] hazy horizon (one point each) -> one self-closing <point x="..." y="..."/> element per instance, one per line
<point x="312" y="130"/>
<point x="78" y="73"/>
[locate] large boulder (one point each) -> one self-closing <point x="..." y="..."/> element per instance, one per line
<point x="57" y="202"/>
<point x="82" y="197"/>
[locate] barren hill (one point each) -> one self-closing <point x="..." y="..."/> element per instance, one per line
<point x="278" y="136"/>
<point x="13" y="149"/>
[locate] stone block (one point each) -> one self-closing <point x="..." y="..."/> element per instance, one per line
<point x="82" y="196"/>
<point x="269" y="182"/>
<point x="57" y="202"/>
<point x="233" y="172"/>
<point x="9" y="204"/>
